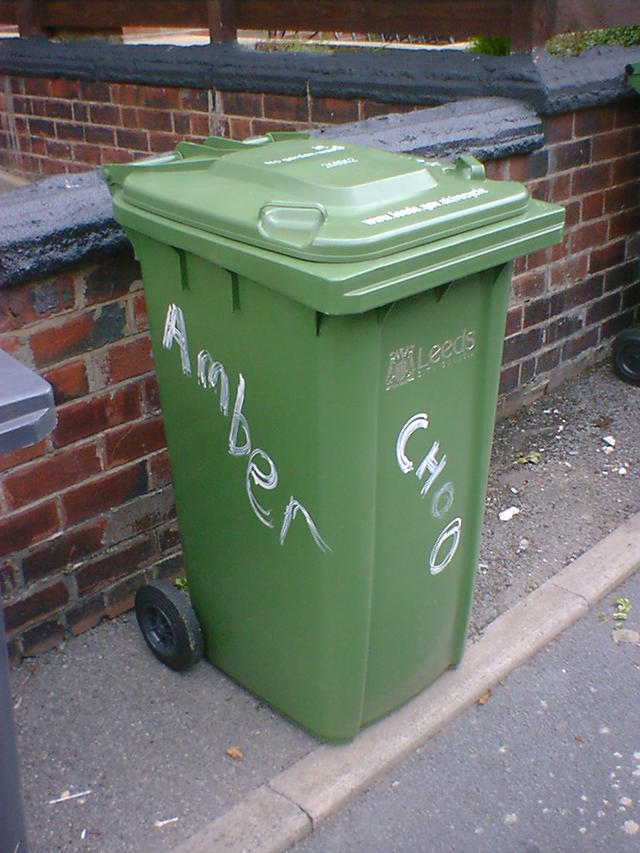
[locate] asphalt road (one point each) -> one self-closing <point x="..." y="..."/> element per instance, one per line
<point x="550" y="762"/>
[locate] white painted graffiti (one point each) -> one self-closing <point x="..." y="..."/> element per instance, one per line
<point x="261" y="471"/>
<point x="442" y="499"/>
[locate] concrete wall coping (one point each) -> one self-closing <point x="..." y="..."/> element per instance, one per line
<point x="548" y="83"/>
<point x="67" y="220"/>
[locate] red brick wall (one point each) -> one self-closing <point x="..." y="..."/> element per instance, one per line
<point x="87" y="514"/>
<point x="567" y="302"/>
<point x="51" y="126"/>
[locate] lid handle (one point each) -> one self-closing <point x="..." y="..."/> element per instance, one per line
<point x="470" y="168"/>
<point x="291" y="223"/>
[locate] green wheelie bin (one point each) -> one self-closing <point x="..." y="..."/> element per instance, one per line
<point x="327" y="324"/>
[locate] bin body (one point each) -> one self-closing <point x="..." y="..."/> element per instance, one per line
<point x="329" y="466"/>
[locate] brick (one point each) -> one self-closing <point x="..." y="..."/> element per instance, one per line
<point x="162" y="142"/>
<point x="514" y="321"/>
<point x="81" y="112"/>
<point x="39" y="604"/>
<point x="623" y="275"/>
<point x="137" y="140"/>
<point x="603" y="308"/>
<point x="569" y="155"/>
<point x="590" y="178"/>
<point x="96" y="135"/>
<point x="36" y="86"/>
<point x="41" y="127"/>
<point x="584" y="291"/>
<point x="625" y="223"/>
<point x="577" y="345"/>
<point x="519" y="346"/>
<point x="134" y="441"/>
<point x="332" y="110"/>
<point x="615" y="325"/>
<point x="50" y="475"/>
<point x="150" y="395"/>
<point x="529" y="285"/>
<point x="548" y="360"/>
<point x="557" y="128"/>
<point x="509" y="379"/>
<point x="22" y="455"/>
<point x="169" y="568"/>
<point x="625" y="169"/>
<point x="286" y="107"/>
<point x="536" y="312"/>
<point x="631" y="297"/>
<point x="79" y="334"/>
<point x="568" y="271"/>
<point x="124" y="361"/>
<point x="560" y="187"/>
<point x="161" y="97"/>
<point x="241" y="104"/>
<point x="88" y="417"/>
<point x="59" y="150"/>
<point x="497" y="170"/>
<point x="108" y="114"/>
<point x="607" y="256"/>
<point x="89" y="154"/>
<point x="20" y="306"/>
<point x="62" y="551"/>
<point x="68" y="131"/>
<point x="121" y="597"/>
<point x="94" y="91"/>
<point x="111" y="280"/>
<point x="527" y="371"/>
<point x="591" y="206"/>
<point x="140" y="313"/>
<point x="140" y="516"/>
<point x="622" y="197"/>
<point x="104" y="493"/>
<point x="9" y="581"/>
<point x="561" y="328"/>
<point x="155" y="120"/>
<point x="627" y="113"/>
<point x="592" y="121"/>
<point x="159" y="470"/>
<point x="587" y="236"/>
<point x="539" y="259"/>
<point x="609" y="146"/>
<point x="60" y="88"/>
<point x="43" y="637"/>
<point x="20" y="530"/>
<point x="86" y="614"/>
<point x="101" y="573"/>
<point x="124" y="93"/>
<point x="200" y="125"/>
<point x="58" y="109"/>
<point x="169" y="538"/>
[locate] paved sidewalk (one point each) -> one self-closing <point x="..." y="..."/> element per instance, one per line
<point x="550" y="762"/>
<point x="148" y="746"/>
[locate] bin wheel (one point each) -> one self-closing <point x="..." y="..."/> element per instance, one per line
<point x="626" y="355"/>
<point x="169" y="625"/>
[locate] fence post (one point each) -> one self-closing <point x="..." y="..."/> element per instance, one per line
<point x="531" y="24"/>
<point x="222" y="20"/>
<point x="28" y="15"/>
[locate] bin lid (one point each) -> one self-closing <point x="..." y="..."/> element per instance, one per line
<point x="27" y="409"/>
<point x="319" y="200"/>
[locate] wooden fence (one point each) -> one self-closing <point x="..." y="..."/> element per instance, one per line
<point x="527" y="23"/>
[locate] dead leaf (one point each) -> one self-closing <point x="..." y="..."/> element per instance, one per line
<point x="579" y="738"/>
<point x="603" y="422"/>
<point x="484" y="698"/>
<point x="236" y="753"/>
<point x="626" y="635"/>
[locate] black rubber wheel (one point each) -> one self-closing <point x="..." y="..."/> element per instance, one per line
<point x="626" y="355"/>
<point x="169" y="625"/>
